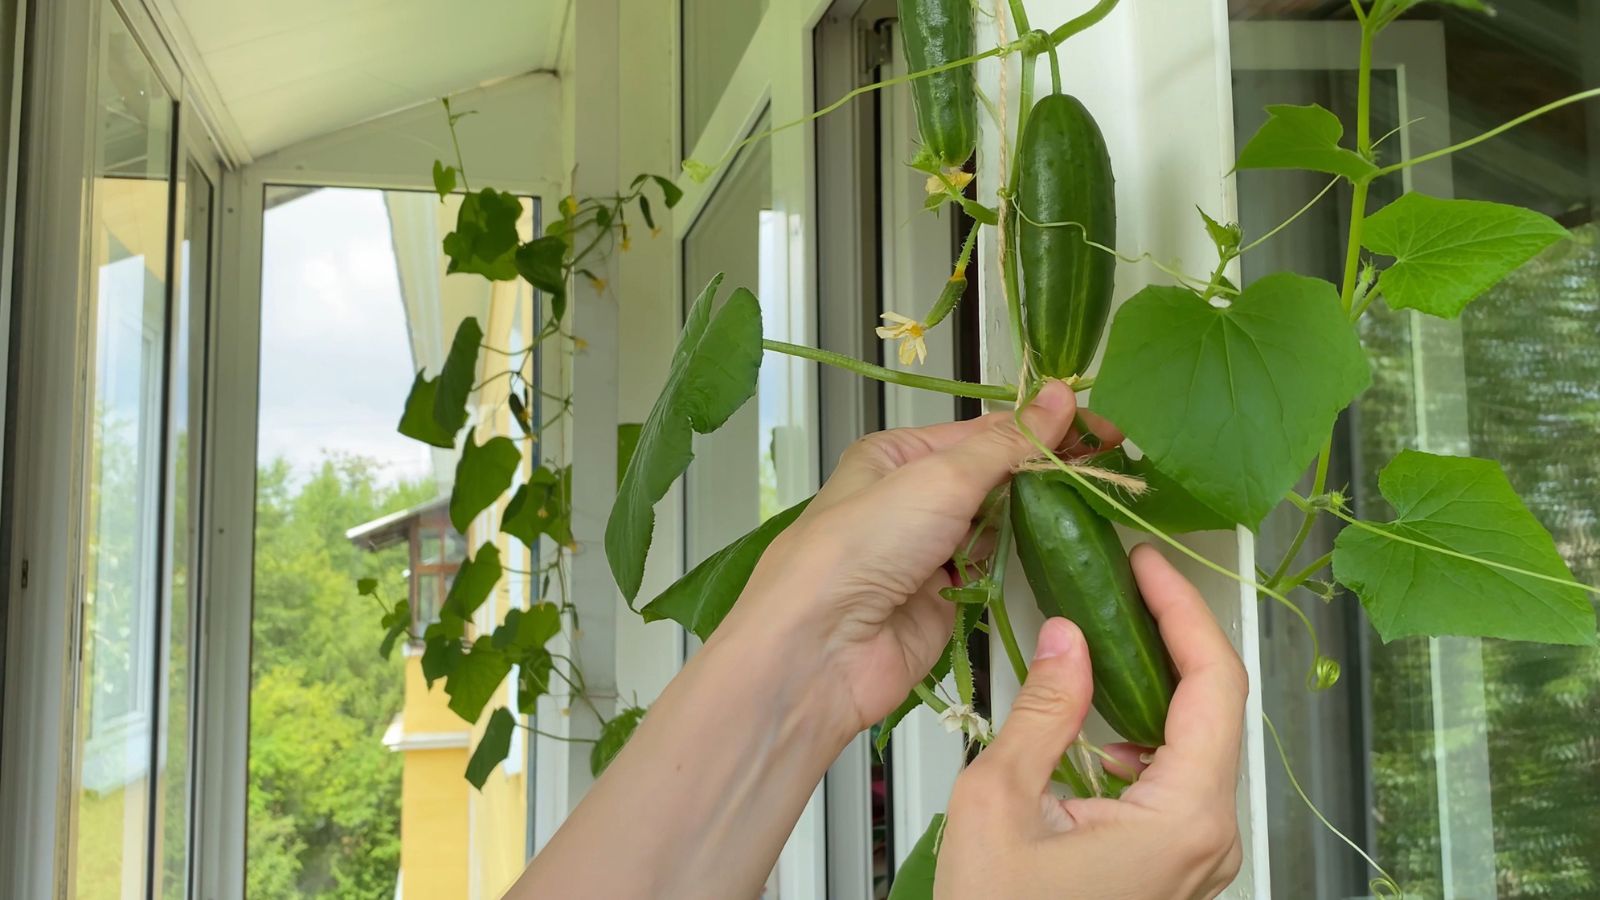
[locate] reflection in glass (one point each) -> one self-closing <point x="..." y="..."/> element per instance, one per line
<point x="715" y="36"/>
<point x="181" y="618"/>
<point x="1469" y="768"/>
<point x="128" y="234"/>
<point x="735" y="481"/>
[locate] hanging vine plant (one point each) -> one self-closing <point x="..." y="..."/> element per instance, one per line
<point x="1230" y="394"/>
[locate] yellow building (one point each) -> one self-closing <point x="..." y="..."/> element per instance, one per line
<point x="456" y="840"/>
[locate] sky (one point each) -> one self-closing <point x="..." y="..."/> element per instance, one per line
<point x="335" y="359"/>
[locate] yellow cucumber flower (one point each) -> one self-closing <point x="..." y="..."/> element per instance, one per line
<point x="909" y="332"/>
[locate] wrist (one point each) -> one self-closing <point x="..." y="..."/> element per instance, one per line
<point x="780" y="646"/>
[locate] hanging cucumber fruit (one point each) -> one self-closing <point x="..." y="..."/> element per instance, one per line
<point x="1078" y="569"/>
<point x="1064" y="176"/>
<point x="936" y="33"/>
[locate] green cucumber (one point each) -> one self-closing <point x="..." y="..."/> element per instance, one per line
<point x="1078" y="569"/>
<point x="935" y="33"/>
<point x="1064" y="175"/>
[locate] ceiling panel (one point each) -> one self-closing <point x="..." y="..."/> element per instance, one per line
<point x="290" y="70"/>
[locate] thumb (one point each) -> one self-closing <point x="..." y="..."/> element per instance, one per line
<point x="965" y="471"/>
<point x="1048" y="712"/>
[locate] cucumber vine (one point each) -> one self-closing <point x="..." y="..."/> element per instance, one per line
<point x="1230" y="392"/>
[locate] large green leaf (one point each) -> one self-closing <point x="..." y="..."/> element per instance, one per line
<point x="627" y="442"/>
<point x="473" y="582"/>
<point x="492" y="747"/>
<point x="396" y="622"/>
<point x="541" y="506"/>
<point x="524" y="629"/>
<point x="713" y="373"/>
<point x="614" y="736"/>
<point x="485" y="240"/>
<point x="478" y="675"/>
<point x="533" y="678"/>
<point x="482" y="475"/>
<point x="441" y="648"/>
<point x="1464" y="506"/>
<point x="1232" y="402"/>
<point x="1164" y="503"/>
<point x="1448" y="252"/>
<point x="1303" y="137"/>
<point x="444" y="179"/>
<point x="541" y="263"/>
<point x="436" y="409"/>
<point x="914" y="880"/>
<point x="699" y="600"/>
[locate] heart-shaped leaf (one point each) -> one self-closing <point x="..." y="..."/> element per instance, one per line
<point x="473" y="582"/>
<point x="701" y="599"/>
<point x="1303" y="137"/>
<point x="1448" y="252"/>
<point x="1232" y="402"/>
<point x="436" y="409"/>
<point x="444" y="179"/>
<point x="492" y="747"/>
<point x="526" y="629"/>
<point x="713" y="373"/>
<point x="485" y="239"/>
<point x="1460" y="505"/>
<point x="541" y="506"/>
<point x="477" y="676"/>
<point x="482" y="475"/>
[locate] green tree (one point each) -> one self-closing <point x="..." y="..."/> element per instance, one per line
<point x="324" y="800"/>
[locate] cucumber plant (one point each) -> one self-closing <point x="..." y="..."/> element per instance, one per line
<point x="1230" y="394"/>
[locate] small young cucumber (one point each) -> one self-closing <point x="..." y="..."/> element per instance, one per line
<point x="1064" y="175"/>
<point x="936" y="32"/>
<point x="1078" y="569"/>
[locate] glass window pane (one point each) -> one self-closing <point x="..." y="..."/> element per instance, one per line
<point x="330" y="720"/>
<point x="733" y="484"/>
<point x="1467" y="767"/>
<point x="128" y="277"/>
<point x="715" y="36"/>
<point x="187" y="398"/>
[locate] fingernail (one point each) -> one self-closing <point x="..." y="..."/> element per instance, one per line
<point x="1053" y="396"/>
<point x="1055" y="639"/>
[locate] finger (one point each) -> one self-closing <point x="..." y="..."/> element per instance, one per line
<point x="1207" y="711"/>
<point x="869" y="459"/>
<point x="923" y="625"/>
<point x="1127" y="761"/>
<point x="959" y="476"/>
<point x="1048" y="711"/>
<point x="1090" y="434"/>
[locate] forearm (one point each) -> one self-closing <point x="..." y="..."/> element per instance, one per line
<point x="701" y="801"/>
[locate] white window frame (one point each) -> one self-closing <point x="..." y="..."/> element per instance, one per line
<point x="395" y="152"/>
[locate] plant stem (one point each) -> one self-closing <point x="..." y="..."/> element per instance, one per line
<point x="461" y="166"/>
<point x="1305" y="574"/>
<point x="1453" y="148"/>
<point x="1358" y="200"/>
<point x="557" y="737"/>
<point x="1092" y="17"/>
<point x="997" y="604"/>
<point x="1055" y="71"/>
<point x="1290" y="221"/>
<point x="1318" y="484"/>
<point x="926" y="694"/>
<point x="1305" y="503"/>
<point x="1000" y="392"/>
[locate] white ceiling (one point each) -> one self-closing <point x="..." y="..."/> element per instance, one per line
<point x="287" y="70"/>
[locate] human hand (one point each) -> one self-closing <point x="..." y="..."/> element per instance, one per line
<point x="1173" y="833"/>
<point x="854" y="582"/>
